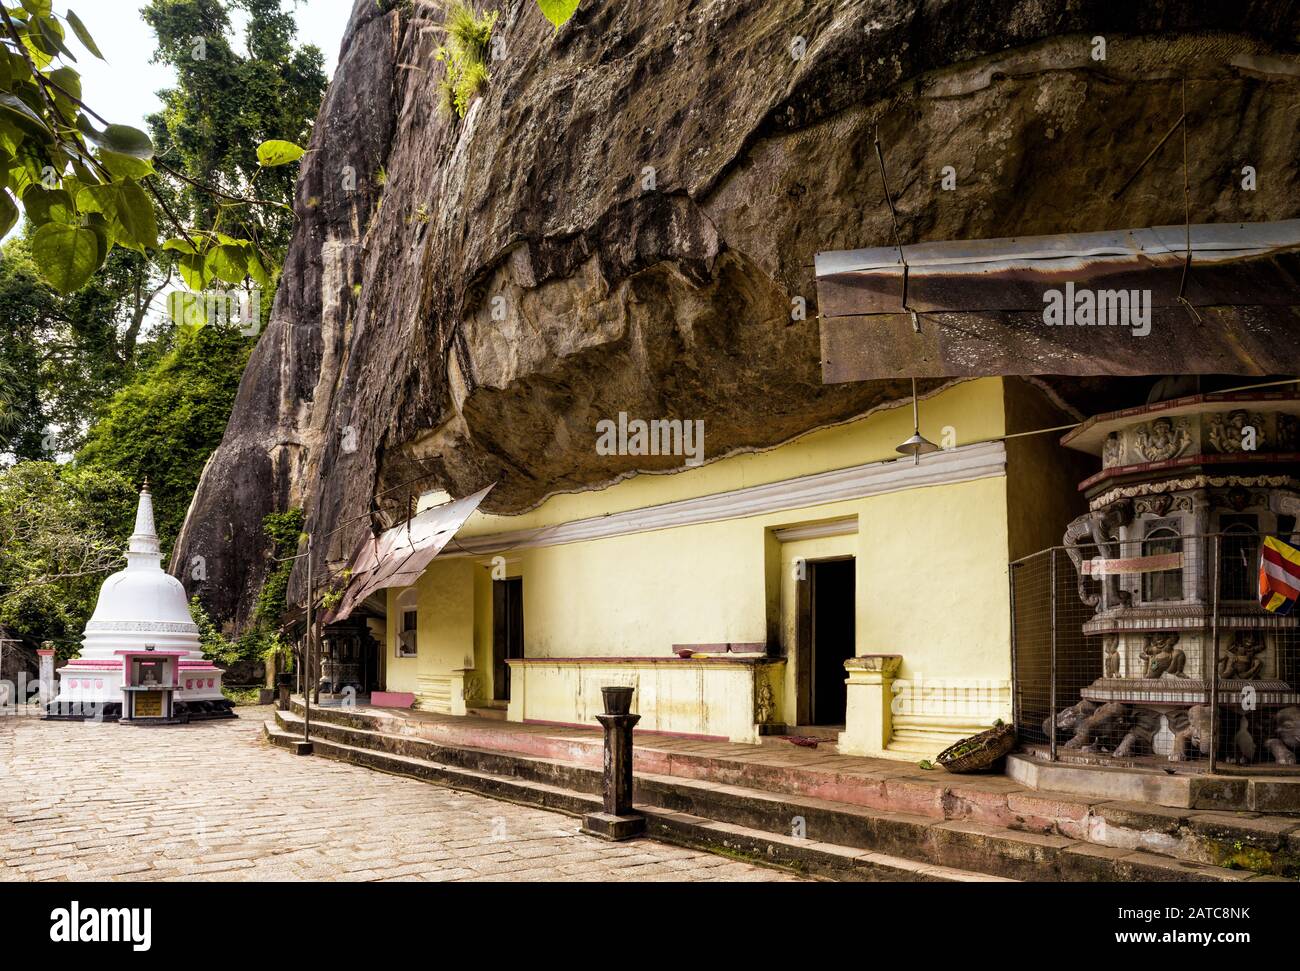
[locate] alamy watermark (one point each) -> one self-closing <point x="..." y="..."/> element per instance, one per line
<point x="239" y="309"/>
<point x="659" y="436"/>
<point x="1083" y="307"/>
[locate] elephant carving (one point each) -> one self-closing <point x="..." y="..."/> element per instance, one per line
<point x="1100" y="531"/>
<point x="1190" y="727"/>
<point x="1286" y="736"/>
<point x="1096" y="728"/>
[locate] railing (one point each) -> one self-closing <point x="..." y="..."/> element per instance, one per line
<point x="1154" y="652"/>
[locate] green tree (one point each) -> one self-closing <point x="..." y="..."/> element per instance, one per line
<point x="62" y="532"/>
<point x="167" y="421"/>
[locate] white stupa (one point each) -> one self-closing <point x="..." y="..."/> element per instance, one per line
<point x="140" y="608"/>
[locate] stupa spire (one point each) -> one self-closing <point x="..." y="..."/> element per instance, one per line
<point x="145" y="538"/>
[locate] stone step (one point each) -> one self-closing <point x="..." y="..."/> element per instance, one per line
<point x="964" y="844"/>
<point x="802" y="855"/>
<point x="991" y="800"/>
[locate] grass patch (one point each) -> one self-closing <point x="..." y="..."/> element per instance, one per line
<point x="465" y="54"/>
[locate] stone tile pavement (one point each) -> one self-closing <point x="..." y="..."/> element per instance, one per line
<point x="213" y="801"/>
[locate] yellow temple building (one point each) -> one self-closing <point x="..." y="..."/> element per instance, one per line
<point x="825" y="582"/>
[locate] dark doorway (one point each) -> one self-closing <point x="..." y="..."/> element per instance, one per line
<point x="507" y="632"/>
<point x="830" y="626"/>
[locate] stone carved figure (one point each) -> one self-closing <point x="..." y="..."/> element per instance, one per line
<point x="1143" y="725"/>
<point x="1242" y="662"/>
<point x="1112" y="451"/>
<point x="764" y="702"/>
<point x="1191" y="727"/>
<point x="1101" y="528"/>
<point x="1164" y="656"/>
<point x="1244" y="743"/>
<point x="1112" y="658"/>
<point x="1096" y="728"/>
<point x="1228" y="433"/>
<point x="1162" y="440"/>
<point x="1286" y="736"/>
<point x="1288" y="433"/>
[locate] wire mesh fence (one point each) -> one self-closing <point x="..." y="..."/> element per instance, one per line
<point x="1156" y="652"/>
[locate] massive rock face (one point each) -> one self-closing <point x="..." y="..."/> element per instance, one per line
<point x="627" y="217"/>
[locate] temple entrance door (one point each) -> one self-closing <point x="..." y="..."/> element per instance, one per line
<point x="831" y="628"/>
<point x="507" y="632"/>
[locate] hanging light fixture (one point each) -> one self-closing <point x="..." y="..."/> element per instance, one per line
<point x="918" y="444"/>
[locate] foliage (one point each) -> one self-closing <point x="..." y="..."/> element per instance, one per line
<point x="216" y="646"/>
<point x="87" y="185"/>
<point x="63" y="356"/>
<point x="169" y="419"/>
<point x="558" y="12"/>
<point x="284" y="530"/>
<point x="465" y="55"/>
<point x="61" y="532"/>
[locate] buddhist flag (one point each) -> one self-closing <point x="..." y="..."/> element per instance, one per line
<point x="1279" y="575"/>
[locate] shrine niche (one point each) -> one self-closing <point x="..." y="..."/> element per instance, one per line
<point x="1167" y="560"/>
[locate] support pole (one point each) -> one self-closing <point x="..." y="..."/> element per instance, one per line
<point x="1052" y="676"/>
<point x="1214" y="655"/>
<point x="304" y="747"/>
<point x="618" y="821"/>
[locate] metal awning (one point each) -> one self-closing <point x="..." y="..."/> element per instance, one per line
<point x="975" y="307"/>
<point x="397" y="556"/>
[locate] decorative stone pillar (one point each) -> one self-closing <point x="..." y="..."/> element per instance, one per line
<point x="46" y="674"/>
<point x="618" y="821"/>
<point x="868" y="724"/>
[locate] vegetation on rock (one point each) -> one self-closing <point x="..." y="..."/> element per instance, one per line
<point x="465" y="57"/>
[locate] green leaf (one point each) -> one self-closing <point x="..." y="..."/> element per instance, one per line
<point x="276" y="152"/>
<point x="122" y="139"/>
<point x="52" y="33"/>
<point x="257" y="270"/>
<point x="179" y="245"/>
<point x="16" y="110"/>
<point x="558" y="12"/>
<point x="8" y="213"/>
<point x="67" y="79"/>
<point x="83" y="34"/>
<point x="193" y="270"/>
<point x="99" y="198"/>
<point x="187" y="310"/>
<point x="125" y="166"/>
<point x="65" y="256"/>
<point x="38" y="8"/>
<point x="136" y="214"/>
<point x="228" y="263"/>
<point x="48" y="205"/>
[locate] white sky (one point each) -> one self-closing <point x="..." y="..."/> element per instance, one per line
<point x="122" y="90"/>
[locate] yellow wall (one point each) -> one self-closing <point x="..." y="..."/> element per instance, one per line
<point x="931" y="564"/>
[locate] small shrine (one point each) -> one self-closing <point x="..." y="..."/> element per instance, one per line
<point x="141" y="661"/>
<point x="1167" y="559"/>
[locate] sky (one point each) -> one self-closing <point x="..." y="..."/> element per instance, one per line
<point x="122" y="90"/>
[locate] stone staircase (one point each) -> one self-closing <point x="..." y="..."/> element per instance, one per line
<point x="977" y="830"/>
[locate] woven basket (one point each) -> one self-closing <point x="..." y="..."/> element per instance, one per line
<point x="979" y="752"/>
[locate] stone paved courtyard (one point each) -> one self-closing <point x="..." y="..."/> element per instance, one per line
<point x="213" y="801"/>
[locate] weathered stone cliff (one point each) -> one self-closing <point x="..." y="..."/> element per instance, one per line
<point x="625" y="218"/>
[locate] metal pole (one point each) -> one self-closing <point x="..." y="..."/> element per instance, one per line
<point x="1052" y="689"/>
<point x="1015" y="670"/>
<point x="1214" y="657"/>
<point x="306" y="651"/>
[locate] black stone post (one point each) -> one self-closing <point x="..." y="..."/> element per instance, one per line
<point x="617" y="821"/>
<point x="284" y="683"/>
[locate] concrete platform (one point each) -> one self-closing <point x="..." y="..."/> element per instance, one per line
<point x="990" y="825"/>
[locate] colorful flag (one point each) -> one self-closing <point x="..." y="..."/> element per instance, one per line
<point x="1279" y="575"/>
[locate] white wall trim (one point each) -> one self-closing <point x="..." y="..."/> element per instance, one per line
<point x="946" y="467"/>
<point x="844" y="526"/>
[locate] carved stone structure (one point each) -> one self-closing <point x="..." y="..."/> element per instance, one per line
<point x="1175" y="473"/>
